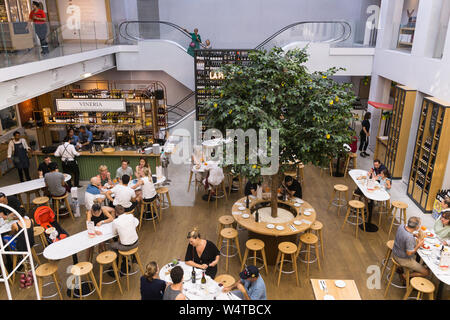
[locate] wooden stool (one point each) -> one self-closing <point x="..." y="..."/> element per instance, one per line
<point x="66" y="201"/>
<point x="28" y="204"/>
<point x="309" y="239"/>
<point x="224" y="222"/>
<point x="40" y="232"/>
<point x="283" y="249"/>
<point x="216" y="190"/>
<point x="39" y="201"/>
<point x="386" y="209"/>
<point x="255" y="245"/>
<point x="358" y="206"/>
<point x="84" y="269"/>
<point x="230" y="234"/>
<point x="162" y="193"/>
<point x="387" y="256"/>
<point x="231" y="177"/>
<point x="316" y="228"/>
<point x="422" y="285"/>
<point x="225" y="279"/>
<point x="338" y="201"/>
<point x="197" y="182"/>
<point x="356" y="196"/>
<point x="401" y="206"/>
<point x="153" y="211"/>
<point x="105" y="258"/>
<point x="352" y="156"/>
<point x="127" y="254"/>
<point x="395" y="265"/>
<point x="47" y="270"/>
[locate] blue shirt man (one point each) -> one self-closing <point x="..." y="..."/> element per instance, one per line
<point x="85" y="137"/>
<point x="251" y="286"/>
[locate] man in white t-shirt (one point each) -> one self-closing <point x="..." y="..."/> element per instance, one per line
<point x="123" y="195"/>
<point x="125" y="227"/>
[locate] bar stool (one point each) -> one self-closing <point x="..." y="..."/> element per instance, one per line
<point x="338" y="201"/>
<point x="285" y="248"/>
<point x="216" y="190"/>
<point x="230" y="234"/>
<point x="309" y="240"/>
<point x="39" y="201"/>
<point x="422" y="285"/>
<point x="353" y="218"/>
<point x="401" y="206"/>
<point x="27" y="205"/>
<point x="224" y="222"/>
<point x="384" y="207"/>
<point x="105" y="258"/>
<point x="255" y="245"/>
<point x="225" y="279"/>
<point x="153" y="211"/>
<point x="129" y="254"/>
<point x="231" y="177"/>
<point x="316" y="228"/>
<point x="40" y="232"/>
<point x="330" y="167"/>
<point x="395" y="266"/>
<point x="358" y="206"/>
<point x="47" y="270"/>
<point x="66" y="201"/>
<point x="163" y="192"/>
<point x="84" y="269"/>
<point x="353" y="157"/>
<point x="387" y="256"/>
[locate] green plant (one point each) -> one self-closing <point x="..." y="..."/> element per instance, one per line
<point x="276" y="91"/>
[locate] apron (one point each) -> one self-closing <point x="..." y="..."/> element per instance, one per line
<point x="20" y="156"/>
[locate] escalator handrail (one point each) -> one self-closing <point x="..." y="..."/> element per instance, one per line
<point x="343" y="37"/>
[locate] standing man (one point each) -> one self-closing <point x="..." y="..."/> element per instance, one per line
<point x="18" y="154"/>
<point x="68" y="153"/>
<point x="43" y="166"/>
<point x="86" y="138"/>
<point x="38" y="17"/>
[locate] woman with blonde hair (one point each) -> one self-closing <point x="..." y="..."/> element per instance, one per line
<point x="148" y="191"/>
<point x="104" y="175"/>
<point x="152" y="288"/>
<point x="202" y="254"/>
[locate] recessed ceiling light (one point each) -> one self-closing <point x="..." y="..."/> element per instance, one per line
<point x="86" y="75"/>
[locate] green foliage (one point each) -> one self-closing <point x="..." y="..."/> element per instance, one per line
<point x="276" y="91"/>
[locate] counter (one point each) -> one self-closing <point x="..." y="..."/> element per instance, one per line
<point x="90" y="162"/>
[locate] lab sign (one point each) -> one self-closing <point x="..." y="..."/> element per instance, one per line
<point x="91" y="105"/>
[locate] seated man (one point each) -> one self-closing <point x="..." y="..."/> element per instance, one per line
<point x="251" y="188"/>
<point x="378" y="167"/>
<point x="14" y="203"/>
<point x="43" y="166"/>
<point x="123" y="195"/>
<point x="94" y="194"/>
<point x="406" y="246"/>
<point x="124" y="169"/>
<point x="54" y="181"/>
<point x="174" y="291"/>
<point x="251" y="286"/>
<point x="293" y="187"/>
<point x="125" y="227"/>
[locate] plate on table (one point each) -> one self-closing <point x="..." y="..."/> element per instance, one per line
<point x="307" y="213"/>
<point x="297" y="223"/>
<point x="340" y="283"/>
<point x="245" y="215"/>
<point x="242" y="208"/>
<point x="328" y="297"/>
<point x="281" y="228"/>
<point x="270" y="226"/>
<point x="298" y="200"/>
<point x="297" y="204"/>
<point x="430" y="234"/>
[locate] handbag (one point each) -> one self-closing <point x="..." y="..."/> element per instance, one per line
<point x="192" y="44"/>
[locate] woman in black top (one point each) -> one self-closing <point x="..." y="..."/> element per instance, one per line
<point x="152" y="288"/>
<point x="98" y="215"/>
<point x="364" y="135"/>
<point x="202" y="254"/>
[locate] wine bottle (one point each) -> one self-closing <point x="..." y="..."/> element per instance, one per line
<point x="203" y="281"/>
<point x="193" y="275"/>
<point x="256" y="216"/>
<point x="247" y="201"/>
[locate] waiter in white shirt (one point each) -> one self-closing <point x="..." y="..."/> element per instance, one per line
<point x="68" y="153"/>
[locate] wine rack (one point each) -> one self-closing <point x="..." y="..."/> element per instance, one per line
<point x="398" y="134"/>
<point x="431" y="153"/>
<point x="208" y="75"/>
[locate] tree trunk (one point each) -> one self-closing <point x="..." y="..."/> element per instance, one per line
<point x="274" y="197"/>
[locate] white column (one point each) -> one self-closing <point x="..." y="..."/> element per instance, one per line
<point x="446" y="53"/>
<point x="427" y="28"/>
<point x="390" y="16"/>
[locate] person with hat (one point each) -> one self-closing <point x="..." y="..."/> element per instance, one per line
<point x="251" y="286"/>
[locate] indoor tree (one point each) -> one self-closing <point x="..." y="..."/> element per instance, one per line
<point x="275" y="90"/>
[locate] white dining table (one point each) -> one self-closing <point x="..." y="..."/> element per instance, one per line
<point x="28" y="186"/>
<point x="79" y="242"/>
<point x="6" y="226"/>
<point x="197" y="291"/>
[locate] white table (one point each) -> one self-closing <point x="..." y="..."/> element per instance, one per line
<point x="79" y="242"/>
<point x="6" y="226"/>
<point x="376" y="195"/>
<point x="197" y="291"/>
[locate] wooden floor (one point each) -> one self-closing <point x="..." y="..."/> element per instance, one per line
<point x="345" y="256"/>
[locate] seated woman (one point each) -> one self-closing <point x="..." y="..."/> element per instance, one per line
<point x="251" y="188"/>
<point x="140" y="168"/>
<point x="104" y="176"/>
<point x="385" y="180"/>
<point x="99" y="215"/>
<point x="202" y="254"/>
<point x="152" y="288"/>
<point x="442" y="226"/>
<point x="148" y="193"/>
<point x="213" y="178"/>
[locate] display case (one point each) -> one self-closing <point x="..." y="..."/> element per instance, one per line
<point x="406" y="37"/>
<point x="431" y="153"/>
<point x="398" y="133"/>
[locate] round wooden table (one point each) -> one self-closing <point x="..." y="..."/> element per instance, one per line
<point x="272" y="237"/>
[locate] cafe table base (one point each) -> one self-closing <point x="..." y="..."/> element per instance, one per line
<point x="271" y="244"/>
<point x="87" y="288"/>
<point x="370" y="227"/>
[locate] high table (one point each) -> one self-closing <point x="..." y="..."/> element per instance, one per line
<point x="430" y="258"/>
<point x="27" y="187"/>
<point x="305" y="215"/>
<point x="197" y="291"/>
<point x="377" y="195"/>
<point x="324" y="288"/>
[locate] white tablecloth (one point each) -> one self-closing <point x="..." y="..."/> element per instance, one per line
<point x="376" y="195"/>
<point x="27" y="186"/>
<point x="197" y="291"/>
<point x="79" y="242"/>
<point x="429" y="257"/>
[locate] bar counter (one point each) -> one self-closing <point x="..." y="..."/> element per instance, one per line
<point x="90" y="162"/>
